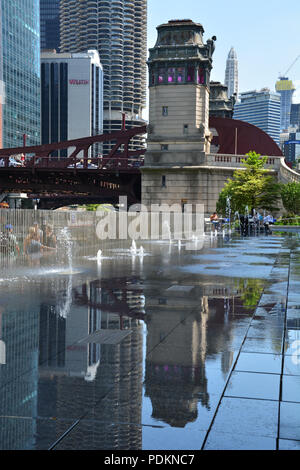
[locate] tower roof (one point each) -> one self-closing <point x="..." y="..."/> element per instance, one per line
<point x="284" y="84"/>
<point x="232" y="54"/>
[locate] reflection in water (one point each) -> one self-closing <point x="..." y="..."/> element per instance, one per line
<point x="186" y="325"/>
<point x="75" y="352"/>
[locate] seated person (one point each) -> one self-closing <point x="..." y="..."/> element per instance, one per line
<point x="215" y="220"/>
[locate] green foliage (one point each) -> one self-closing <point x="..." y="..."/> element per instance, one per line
<point x="251" y="290"/>
<point x="288" y="219"/>
<point x="290" y="195"/>
<point x="91" y="207"/>
<point x="252" y="186"/>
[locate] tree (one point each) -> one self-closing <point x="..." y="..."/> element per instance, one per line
<point x="290" y="195"/>
<point x="252" y="186"/>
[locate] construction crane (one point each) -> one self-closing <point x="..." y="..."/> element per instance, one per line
<point x="292" y="65"/>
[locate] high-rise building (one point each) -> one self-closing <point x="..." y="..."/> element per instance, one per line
<point x="72" y="97"/>
<point x="286" y="89"/>
<point x="21" y="72"/>
<point x="262" y="109"/>
<point x="49" y="18"/>
<point x="291" y="148"/>
<point x="118" y="30"/>
<point x="231" y="74"/>
<point x="295" y="115"/>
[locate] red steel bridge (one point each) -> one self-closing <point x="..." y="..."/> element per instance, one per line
<point x="78" y="178"/>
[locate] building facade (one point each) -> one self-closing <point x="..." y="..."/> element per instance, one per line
<point x="21" y="72"/>
<point x="72" y="96"/>
<point x="118" y="30"/>
<point x="219" y="103"/>
<point x="49" y="19"/>
<point x="286" y="89"/>
<point x="291" y="148"/>
<point x="295" y="115"/>
<point x="262" y="109"/>
<point x="231" y="74"/>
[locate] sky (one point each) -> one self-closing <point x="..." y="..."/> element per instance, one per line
<point x="264" y="34"/>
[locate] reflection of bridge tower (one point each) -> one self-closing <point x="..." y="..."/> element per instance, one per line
<point x="178" y="134"/>
<point x="176" y="349"/>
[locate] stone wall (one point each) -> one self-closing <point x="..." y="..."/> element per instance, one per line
<point x="189" y="185"/>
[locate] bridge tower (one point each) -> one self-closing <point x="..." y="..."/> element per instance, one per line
<point x="178" y="133"/>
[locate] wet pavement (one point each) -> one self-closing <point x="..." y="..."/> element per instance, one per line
<point x="183" y="348"/>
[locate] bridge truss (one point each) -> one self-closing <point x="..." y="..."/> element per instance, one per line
<point x="82" y="176"/>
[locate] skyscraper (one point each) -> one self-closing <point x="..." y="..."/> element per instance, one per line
<point x="262" y="109"/>
<point x="49" y="16"/>
<point x="21" y="72"/>
<point x="231" y="74"/>
<point x="118" y="30"/>
<point x="286" y="89"/>
<point x="295" y="115"/>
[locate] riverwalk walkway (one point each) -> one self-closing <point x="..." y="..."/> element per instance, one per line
<point x="260" y="405"/>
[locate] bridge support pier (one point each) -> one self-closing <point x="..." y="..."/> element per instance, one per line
<point x="184" y="185"/>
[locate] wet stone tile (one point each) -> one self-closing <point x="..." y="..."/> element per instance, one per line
<point x="21" y="433"/>
<point x="95" y="435"/>
<point x="262" y="329"/>
<point x="253" y="385"/>
<point x="265" y="363"/>
<point x="289" y="426"/>
<point x="227" y="441"/>
<point x="292" y="363"/>
<point x="286" y="444"/>
<point x="250" y="417"/>
<point x="270" y="299"/>
<point x="293" y="323"/>
<point x="291" y="388"/>
<point x="263" y="345"/>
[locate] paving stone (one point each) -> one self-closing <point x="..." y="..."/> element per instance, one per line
<point x="255" y="362"/>
<point x="291" y="388"/>
<point x="250" y="417"/>
<point x="289" y="424"/>
<point x="253" y="385"/>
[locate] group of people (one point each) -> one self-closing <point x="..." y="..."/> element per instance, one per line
<point x="246" y="221"/>
<point x="36" y="242"/>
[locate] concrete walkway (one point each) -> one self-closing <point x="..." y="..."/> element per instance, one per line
<point x="260" y="405"/>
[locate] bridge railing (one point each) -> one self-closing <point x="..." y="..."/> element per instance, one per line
<point x="236" y="161"/>
<point x="286" y="174"/>
<point x="99" y="163"/>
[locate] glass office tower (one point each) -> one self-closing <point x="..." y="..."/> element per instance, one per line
<point x="262" y="109"/>
<point x="21" y="71"/>
<point x="49" y="15"/>
<point x="286" y="89"/>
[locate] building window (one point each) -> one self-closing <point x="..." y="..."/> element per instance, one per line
<point x="180" y="75"/>
<point x="163" y="181"/>
<point x="161" y="75"/>
<point x="164" y="147"/>
<point x="165" y="111"/>
<point x="191" y="74"/>
<point x="185" y="128"/>
<point x="201" y="76"/>
<point x="171" y="75"/>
